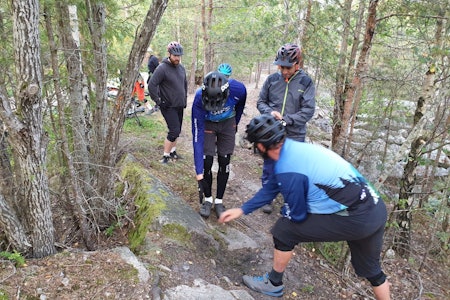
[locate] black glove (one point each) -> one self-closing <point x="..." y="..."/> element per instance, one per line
<point x="200" y="190"/>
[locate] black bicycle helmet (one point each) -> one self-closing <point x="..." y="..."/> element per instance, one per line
<point x="215" y="91"/>
<point x="287" y="55"/>
<point x="225" y="69"/>
<point x="175" y="48"/>
<point x="265" y="129"/>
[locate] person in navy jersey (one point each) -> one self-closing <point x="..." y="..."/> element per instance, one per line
<point x="216" y="111"/>
<point x="325" y="200"/>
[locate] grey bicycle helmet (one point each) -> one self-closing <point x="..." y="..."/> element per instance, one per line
<point x="225" y="69"/>
<point x="215" y="91"/>
<point x="287" y="55"/>
<point x="175" y="48"/>
<point x="265" y="129"/>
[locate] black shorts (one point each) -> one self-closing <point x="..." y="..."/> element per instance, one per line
<point x="220" y="137"/>
<point x="363" y="233"/>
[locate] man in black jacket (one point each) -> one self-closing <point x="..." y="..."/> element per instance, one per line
<point x="288" y="95"/>
<point x="168" y="88"/>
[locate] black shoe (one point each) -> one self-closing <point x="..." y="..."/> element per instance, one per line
<point x="165" y="159"/>
<point x="174" y="155"/>
<point x="267" y="209"/>
<point x="219" y="208"/>
<point x="205" y="209"/>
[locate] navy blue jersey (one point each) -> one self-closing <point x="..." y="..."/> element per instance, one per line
<point x="314" y="180"/>
<point x="234" y="107"/>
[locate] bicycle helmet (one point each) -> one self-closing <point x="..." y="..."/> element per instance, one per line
<point x="225" y="69"/>
<point x="215" y="91"/>
<point x="265" y="129"/>
<point x="175" y="48"/>
<point x="287" y="55"/>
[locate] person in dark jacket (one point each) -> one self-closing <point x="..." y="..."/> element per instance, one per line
<point x="216" y="112"/>
<point x="325" y="200"/>
<point x="152" y="63"/>
<point x="168" y="88"/>
<point x="288" y="95"/>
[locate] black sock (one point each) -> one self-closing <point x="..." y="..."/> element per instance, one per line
<point x="276" y="278"/>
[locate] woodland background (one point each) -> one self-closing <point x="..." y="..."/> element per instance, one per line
<point x="381" y="70"/>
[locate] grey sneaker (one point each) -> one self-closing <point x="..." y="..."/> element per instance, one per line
<point x="205" y="209"/>
<point x="263" y="285"/>
<point x="165" y="159"/>
<point x="219" y="208"/>
<point x="267" y="209"/>
<point x="174" y="155"/>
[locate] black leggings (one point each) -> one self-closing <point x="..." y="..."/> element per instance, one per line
<point x="174" y="119"/>
<point x="222" y="175"/>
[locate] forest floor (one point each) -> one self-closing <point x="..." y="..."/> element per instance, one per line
<point x="76" y="274"/>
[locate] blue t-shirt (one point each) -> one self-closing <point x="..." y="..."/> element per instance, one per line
<point x="314" y="180"/>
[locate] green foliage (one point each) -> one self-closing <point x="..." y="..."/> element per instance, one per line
<point x="3" y="295"/>
<point x="148" y="205"/>
<point x="309" y="289"/>
<point x="14" y="256"/>
<point x="176" y="232"/>
<point x="150" y="126"/>
<point x="333" y="252"/>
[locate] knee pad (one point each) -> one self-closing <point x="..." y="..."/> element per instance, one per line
<point x="207" y="163"/>
<point x="281" y="246"/>
<point x="224" y="163"/>
<point x="378" y="279"/>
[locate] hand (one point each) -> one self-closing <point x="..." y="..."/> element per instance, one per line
<point x="276" y="115"/>
<point x="230" y="215"/>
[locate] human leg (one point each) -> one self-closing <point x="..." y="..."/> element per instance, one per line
<point x="268" y="169"/>
<point x="281" y="259"/>
<point x="382" y="292"/>
<point x="205" y="209"/>
<point x="174" y="118"/>
<point x="176" y="132"/>
<point x="226" y="133"/>
<point x="366" y="252"/>
<point x="272" y="283"/>
<point x="222" y="179"/>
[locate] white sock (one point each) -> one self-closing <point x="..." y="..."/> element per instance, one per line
<point x="218" y="201"/>
<point x="166" y="154"/>
<point x="173" y="149"/>
<point x="209" y="199"/>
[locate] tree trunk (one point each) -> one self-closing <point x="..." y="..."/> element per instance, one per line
<point x="69" y="37"/>
<point x="304" y="38"/>
<point x="341" y="75"/>
<point x="208" y="56"/>
<point x="138" y="50"/>
<point x="25" y="132"/>
<point x="73" y="180"/>
<point x="402" y="241"/>
<point x="96" y="21"/>
<point x="192" y="85"/>
<point x="341" y="141"/>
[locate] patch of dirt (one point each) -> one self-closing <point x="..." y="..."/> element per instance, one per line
<point x="73" y="274"/>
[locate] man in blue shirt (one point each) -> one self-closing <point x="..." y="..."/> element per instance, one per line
<point x="325" y="200"/>
<point x="216" y="112"/>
